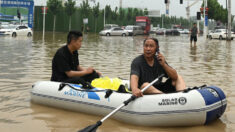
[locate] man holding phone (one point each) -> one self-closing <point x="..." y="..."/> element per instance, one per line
<point x="148" y="66"/>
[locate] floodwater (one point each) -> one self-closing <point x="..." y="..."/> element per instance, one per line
<point x="24" y="61"/>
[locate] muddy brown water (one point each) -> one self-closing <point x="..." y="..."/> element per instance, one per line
<point x="24" y="61"/>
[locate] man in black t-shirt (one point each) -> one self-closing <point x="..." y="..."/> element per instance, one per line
<point x="193" y="32"/>
<point x="65" y="64"/>
<point x="148" y="66"/>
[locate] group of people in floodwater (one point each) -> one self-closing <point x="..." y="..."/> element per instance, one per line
<point x="144" y="68"/>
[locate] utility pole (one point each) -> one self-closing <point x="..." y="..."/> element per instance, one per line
<point x="229" y="20"/>
<point x="120" y="4"/>
<point x="188" y="11"/>
<point x="167" y="7"/>
<point x="104" y="15"/>
<point x="0" y="10"/>
<point x="44" y="20"/>
<point x="205" y="19"/>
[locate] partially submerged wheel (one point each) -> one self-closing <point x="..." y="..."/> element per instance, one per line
<point x="14" y="34"/>
<point x="29" y="34"/>
<point x="220" y="37"/>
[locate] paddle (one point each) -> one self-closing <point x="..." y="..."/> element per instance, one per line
<point x="92" y="128"/>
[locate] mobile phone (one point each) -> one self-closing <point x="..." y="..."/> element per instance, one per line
<point x="157" y="55"/>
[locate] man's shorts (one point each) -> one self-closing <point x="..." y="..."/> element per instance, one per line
<point x="166" y="87"/>
<point x="193" y="38"/>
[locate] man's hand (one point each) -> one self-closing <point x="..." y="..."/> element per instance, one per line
<point x="137" y="92"/>
<point x="99" y="73"/>
<point x="89" y="70"/>
<point x="161" y="59"/>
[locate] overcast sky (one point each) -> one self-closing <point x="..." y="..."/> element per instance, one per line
<point x="176" y="9"/>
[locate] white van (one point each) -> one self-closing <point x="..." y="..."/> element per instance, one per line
<point x="134" y="30"/>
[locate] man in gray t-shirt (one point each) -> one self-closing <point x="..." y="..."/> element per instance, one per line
<point x="147" y="67"/>
<point x="194" y="32"/>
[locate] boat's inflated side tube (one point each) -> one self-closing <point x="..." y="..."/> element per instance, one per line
<point x="211" y="95"/>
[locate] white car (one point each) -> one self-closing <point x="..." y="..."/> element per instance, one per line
<point x="181" y="31"/>
<point x="220" y="34"/>
<point x="134" y="30"/>
<point x="186" y="31"/>
<point x="16" y="30"/>
<point x="209" y="33"/>
<point x="117" y="31"/>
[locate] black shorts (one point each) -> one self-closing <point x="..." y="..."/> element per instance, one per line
<point x="166" y="87"/>
<point x="193" y="38"/>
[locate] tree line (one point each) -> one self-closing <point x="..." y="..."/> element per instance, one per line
<point x="68" y="16"/>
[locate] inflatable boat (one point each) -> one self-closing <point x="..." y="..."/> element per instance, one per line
<point x="194" y="106"/>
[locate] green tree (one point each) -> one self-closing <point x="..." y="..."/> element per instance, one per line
<point x="146" y="12"/>
<point x="85" y="11"/>
<point x="115" y="14"/>
<point x="70" y="9"/>
<point x="54" y="6"/>
<point x="216" y="11"/>
<point x="135" y="13"/>
<point x="129" y="15"/>
<point x="141" y="13"/>
<point x="108" y="12"/>
<point x="96" y="12"/>
<point x="121" y="15"/>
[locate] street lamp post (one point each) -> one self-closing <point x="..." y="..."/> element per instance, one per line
<point x="0" y="10"/>
<point x="44" y="19"/>
<point x="104" y="15"/>
<point x="205" y="19"/>
<point x="229" y="20"/>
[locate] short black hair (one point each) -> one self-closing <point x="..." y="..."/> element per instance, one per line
<point x="154" y="39"/>
<point x="73" y="35"/>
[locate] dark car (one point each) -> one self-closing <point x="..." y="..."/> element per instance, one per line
<point x="172" y="32"/>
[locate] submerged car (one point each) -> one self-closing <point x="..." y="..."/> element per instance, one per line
<point x="16" y="30"/>
<point x="114" y="31"/>
<point x="161" y="31"/>
<point x="172" y="32"/>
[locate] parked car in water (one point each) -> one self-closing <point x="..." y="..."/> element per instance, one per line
<point x="181" y="31"/>
<point x="154" y="29"/>
<point x="134" y="30"/>
<point x="185" y="31"/>
<point x="209" y="33"/>
<point x="220" y="34"/>
<point x="114" y="31"/>
<point x="172" y="32"/>
<point x="161" y="31"/>
<point x="16" y="30"/>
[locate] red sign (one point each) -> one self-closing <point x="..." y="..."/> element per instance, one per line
<point x="44" y="10"/>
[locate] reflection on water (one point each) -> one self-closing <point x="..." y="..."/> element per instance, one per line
<point x="26" y="60"/>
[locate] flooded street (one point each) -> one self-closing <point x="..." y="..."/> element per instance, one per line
<point x="23" y="61"/>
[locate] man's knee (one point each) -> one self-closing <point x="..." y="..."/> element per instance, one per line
<point x="144" y="85"/>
